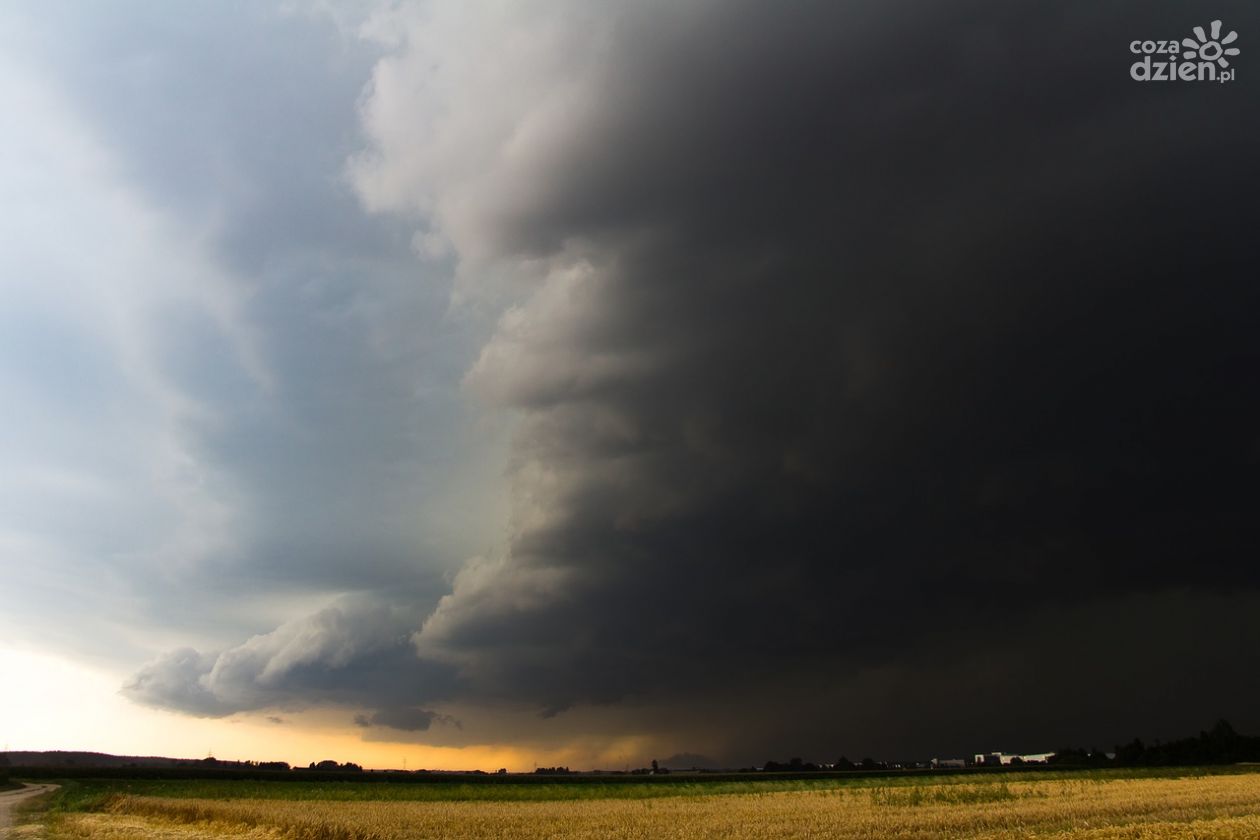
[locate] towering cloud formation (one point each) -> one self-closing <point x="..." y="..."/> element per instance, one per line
<point x="840" y="337"/>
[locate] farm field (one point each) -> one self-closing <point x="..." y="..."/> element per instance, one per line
<point x="1096" y="805"/>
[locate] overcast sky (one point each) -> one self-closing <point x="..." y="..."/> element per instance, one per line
<point x="602" y="381"/>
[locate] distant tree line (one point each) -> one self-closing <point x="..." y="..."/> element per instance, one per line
<point x="655" y="770"/>
<point x="330" y="766"/>
<point x="211" y="761"/>
<point x="1219" y="745"/>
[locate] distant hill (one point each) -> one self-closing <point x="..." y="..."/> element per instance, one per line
<point x="60" y="758"/>
<point x="690" y="761"/>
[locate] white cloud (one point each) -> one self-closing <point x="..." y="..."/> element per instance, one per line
<point x="96" y="453"/>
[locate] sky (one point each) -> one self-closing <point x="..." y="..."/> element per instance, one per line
<point x="502" y="384"/>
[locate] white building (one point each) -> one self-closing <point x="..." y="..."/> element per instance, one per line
<point x="995" y="758"/>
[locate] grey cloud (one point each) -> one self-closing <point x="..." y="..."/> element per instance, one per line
<point x="176" y="681"/>
<point x="293" y="427"/>
<point x="862" y="355"/>
<point x="357" y="648"/>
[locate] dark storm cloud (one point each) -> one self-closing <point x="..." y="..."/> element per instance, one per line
<point x="883" y="371"/>
<point x="867" y="327"/>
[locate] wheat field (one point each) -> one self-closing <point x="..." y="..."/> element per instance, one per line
<point x="1081" y="809"/>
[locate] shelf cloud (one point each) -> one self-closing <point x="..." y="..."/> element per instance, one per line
<point x="872" y="371"/>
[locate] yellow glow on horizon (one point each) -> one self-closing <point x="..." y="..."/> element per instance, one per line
<point x="51" y="703"/>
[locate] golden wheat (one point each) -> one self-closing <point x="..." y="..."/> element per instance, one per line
<point x="1216" y="807"/>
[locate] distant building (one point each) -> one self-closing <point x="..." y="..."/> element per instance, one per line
<point x="1037" y="758"/>
<point x="943" y="763"/>
<point x="996" y="759"/>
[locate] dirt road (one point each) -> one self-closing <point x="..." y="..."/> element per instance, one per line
<point x="10" y="798"/>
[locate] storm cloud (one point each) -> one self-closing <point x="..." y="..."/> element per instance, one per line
<point x="883" y="377"/>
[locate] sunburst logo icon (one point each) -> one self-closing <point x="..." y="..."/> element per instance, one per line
<point x="1210" y="49"/>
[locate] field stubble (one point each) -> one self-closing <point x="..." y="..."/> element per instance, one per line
<point x="1216" y="807"/>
